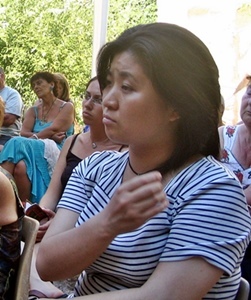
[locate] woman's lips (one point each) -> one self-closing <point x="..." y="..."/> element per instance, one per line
<point x="107" y="120"/>
<point x="86" y="114"/>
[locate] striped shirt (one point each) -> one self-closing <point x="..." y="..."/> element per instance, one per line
<point x="207" y="217"/>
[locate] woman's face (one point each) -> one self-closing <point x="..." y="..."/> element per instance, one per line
<point x="91" y="105"/>
<point x="134" y="113"/>
<point x="41" y="87"/>
<point x="245" y="110"/>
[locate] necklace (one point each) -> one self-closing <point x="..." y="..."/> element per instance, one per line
<point x="95" y="145"/>
<point x="129" y="163"/>
<point x="44" y="115"/>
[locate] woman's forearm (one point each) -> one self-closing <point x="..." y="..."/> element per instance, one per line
<point x="83" y="244"/>
<point x="247" y="193"/>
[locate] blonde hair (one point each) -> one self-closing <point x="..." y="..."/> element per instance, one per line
<point x="1" y="111"/>
<point x="66" y="89"/>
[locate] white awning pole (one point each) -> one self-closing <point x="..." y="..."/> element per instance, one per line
<point x="100" y="29"/>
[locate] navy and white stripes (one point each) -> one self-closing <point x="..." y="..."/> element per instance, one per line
<point x="207" y="217"/>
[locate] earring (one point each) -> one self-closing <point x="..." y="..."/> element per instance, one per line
<point x="51" y="88"/>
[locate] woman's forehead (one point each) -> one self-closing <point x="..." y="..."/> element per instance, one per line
<point x="37" y="80"/>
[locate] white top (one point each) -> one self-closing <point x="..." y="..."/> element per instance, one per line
<point x="207" y="217"/>
<point x="230" y="134"/>
<point x="13" y="105"/>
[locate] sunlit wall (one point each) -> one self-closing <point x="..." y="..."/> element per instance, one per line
<point x="225" y="28"/>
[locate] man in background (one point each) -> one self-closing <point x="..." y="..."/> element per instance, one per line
<point x="13" y="110"/>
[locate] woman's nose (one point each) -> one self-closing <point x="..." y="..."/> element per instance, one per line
<point x="110" y="96"/>
<point x="88" y="103"/>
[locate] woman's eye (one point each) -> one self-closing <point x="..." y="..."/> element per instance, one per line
<point x="126" y="88"/>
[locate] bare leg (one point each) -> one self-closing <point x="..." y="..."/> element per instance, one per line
<point x="36" y="283"/>
<point x="22" y="181"/>
<point x="8" y="166"/>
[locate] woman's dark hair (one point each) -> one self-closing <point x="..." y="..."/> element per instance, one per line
<point x="90" y="81"/>
<point x="49" y="77"/>
<point x="87" y="85"/>
<point x="184" y="74"/>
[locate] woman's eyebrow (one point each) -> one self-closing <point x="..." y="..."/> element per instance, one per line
<point x="123" y="75"/>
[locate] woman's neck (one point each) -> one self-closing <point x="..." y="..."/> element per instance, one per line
<point x="97" y="133"/>
<point x="98" y="137"/>
<point x="149" y="157"/>
<point x="48" y="100"/>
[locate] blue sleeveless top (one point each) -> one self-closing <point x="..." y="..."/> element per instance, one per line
<point x="41" y="125"/>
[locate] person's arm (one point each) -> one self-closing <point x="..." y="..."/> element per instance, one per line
<point x="55" y="189"/>
<point x="13" y="108"/>
<point x="61" y="123"/>
<point x="9" y="119"/>
<point x="8" y="210"/>
<point x="50" y="199"/>
<point x="247" y="192"/>
<point x="134" y="202"/>
<point x="189" y="279"/>
<point x="28" y="123"/>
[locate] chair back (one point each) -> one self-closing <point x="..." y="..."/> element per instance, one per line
<point x="29" y="233"/>
<point x="243" y="292"/>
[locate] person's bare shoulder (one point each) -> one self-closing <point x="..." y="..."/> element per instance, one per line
<point x="8" y="213"/>
<point x="68" y="141"/>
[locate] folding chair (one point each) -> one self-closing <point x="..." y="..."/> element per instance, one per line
<point x="243" y="291"/>
<point x="29" y="233"/>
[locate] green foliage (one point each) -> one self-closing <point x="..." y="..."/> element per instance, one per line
<point x="125" y="14"/>
<point x="245" y="9"/>
<point x="56" y="36"/>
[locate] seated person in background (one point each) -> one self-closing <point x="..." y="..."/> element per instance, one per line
<point x="11" y="215"/>
<point x="13" y="111"/>
<point x="63" y="88"/>
<point x="235" y="144"/>
<point x="63" y="93"/>
<point x="75" y="149"/>
<point x="165" y="214"/>
<point x="236" y="155"/>
<point x="79" y="146"/>
<point x="44" y="130"/>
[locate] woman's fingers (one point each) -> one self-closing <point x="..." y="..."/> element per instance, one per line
<point x="144" y="191"/>
<point x="135" y="201"/>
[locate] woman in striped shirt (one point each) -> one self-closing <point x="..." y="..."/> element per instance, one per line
<point x="165" y="219"/>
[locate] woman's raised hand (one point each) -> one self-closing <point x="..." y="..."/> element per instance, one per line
<point x="134" y="202"/>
